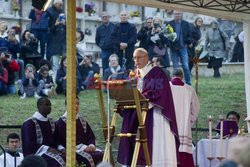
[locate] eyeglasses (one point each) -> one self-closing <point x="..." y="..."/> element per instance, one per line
<point x="149" y="22"/>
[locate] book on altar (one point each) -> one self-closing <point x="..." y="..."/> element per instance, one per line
<point x="230" y="128"/>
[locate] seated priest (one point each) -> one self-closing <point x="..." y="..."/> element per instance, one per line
<point x="87" y="153"/>
<point x="12" y="157"/>
<point x="161" y="127"/>
<point x="39" y="136"/>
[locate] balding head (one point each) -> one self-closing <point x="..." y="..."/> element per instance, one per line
<point x="124" y="16"/>
<point x="58" y="4"/>
<point x="105" y="17"/>
<point x="140" y="57"/>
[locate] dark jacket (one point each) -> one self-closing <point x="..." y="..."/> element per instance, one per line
<point x="108" y="73"/>
<point x="53" y="14"/>
<point x="26" y="82"/>
<point x="195" y="34"/>
<point x="103" y="36"/>
<point x="58" y="39"/>
<point x="142" y="36"/>
<point x="13" y="48"/>
<point x="185" y="29"/>
<point x="48" y="79"/>
<point x="85" y="70"/>
<point x="43" y="24"/>
<point x="127" y="36"/>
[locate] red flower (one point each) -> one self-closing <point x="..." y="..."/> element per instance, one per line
<point x="79" y="9"/>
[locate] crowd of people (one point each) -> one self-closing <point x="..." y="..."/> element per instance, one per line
<point x="45" y="40"/>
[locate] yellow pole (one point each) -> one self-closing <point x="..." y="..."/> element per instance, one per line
<point x="71" y="84"/>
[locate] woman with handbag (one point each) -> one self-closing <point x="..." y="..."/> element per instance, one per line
<point x="216" y="44"/>
<point x="29" y="47"/>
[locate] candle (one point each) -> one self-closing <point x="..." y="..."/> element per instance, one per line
<point x="210" y="135"/>
<point x="221" y="135"/>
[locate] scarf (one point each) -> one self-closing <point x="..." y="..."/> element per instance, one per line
<point x="38" y="14"/>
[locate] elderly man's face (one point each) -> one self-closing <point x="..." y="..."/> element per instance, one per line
<point x="141" y="59"/>
<point x="123" y="16"/>
<point x="177" y="15"/>
<point x="59" y="6"/>
<point x="3" y="27"/>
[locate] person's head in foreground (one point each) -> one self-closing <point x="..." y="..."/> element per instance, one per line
<point x="44" y="106"/>
<point x="13" y="141"/>
<point x="140" y="57"/>
<point x="233" y="116"/>
<point x="177" y="73"/>
<point x="33" y="161"/>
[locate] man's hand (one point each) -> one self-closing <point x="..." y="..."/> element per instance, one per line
<point x="123" y="45"/>
<point x="90" y="148"/>
<point x="54" y="151"/>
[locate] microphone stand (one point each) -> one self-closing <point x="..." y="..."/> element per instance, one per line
<point x="4" y="155"/>
<point x="109" y="79"/>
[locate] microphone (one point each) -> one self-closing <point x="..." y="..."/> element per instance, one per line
<point x="118" y="73"/>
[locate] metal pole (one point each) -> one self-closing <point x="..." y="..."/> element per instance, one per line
<point x="71" y="84"/>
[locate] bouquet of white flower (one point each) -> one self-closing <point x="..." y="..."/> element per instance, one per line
<point x="169" y="33"/>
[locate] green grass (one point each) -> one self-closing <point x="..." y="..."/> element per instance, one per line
<point x="217" y="97"/>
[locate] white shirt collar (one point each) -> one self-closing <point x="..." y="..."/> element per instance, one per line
<point x="39" y="116"/>
<point x="145" y="70"/>
<point x="65" y="115"/>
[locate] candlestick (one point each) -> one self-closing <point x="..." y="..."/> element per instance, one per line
<point x="221" y="135"/>
<point x="210" y="135"/>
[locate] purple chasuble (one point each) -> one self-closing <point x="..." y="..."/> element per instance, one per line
<point x="156" y="88"/>
<point x="84" y="136"/>
<point x="36" y="135"/>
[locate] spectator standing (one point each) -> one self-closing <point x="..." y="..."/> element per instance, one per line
<point x="53" y="13"/>
<point x="80" y="45"/>
<point x="144" y="32"/>
<point x="29" y="52"/>
<point x="178" y="49"/>
<point x="29" y="86"/>
<point x="124" y="39"/>
<point x="216" y="44"/>
<point x="3" y="29"/>
<point x="114" y="68"/>
<point x="39" y="27"/>
<point x="13" y="157"/>
<point x="187" y="107"/>
<point x="58" y="46"/>
<point x="157" y="42"/>
<point x="103" y="39"/>
<point x="196" y="35"/>
<point x="238" y="51"/>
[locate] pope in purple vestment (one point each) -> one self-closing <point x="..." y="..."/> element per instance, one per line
<point x="38" y="136"/>
<point x="85" y="140"/>
<point x="160" y="121"/>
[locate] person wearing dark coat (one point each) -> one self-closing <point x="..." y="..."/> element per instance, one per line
<point x="86" y="151"/>
<point x="124" y="40"/>
<point x="53" y="13"/>
<point x="178" y="49"/>
<point x="103" y="39"/>
<point x="87" y="69"/>
<point x="39" y="27"/>
<point x="114" y="68"/>
<point x="238" y="51"/>
<point x="144" y="32"/>
<point x="196" y="35"/>
<point x="29" y="49"/>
